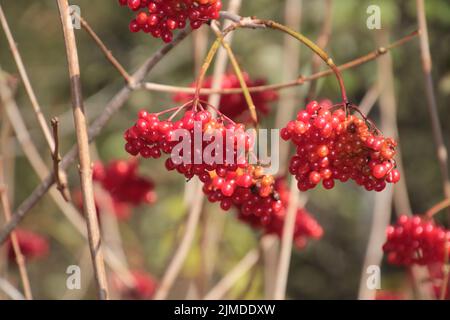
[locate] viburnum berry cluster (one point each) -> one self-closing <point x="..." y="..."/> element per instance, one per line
<point x="124" y="183"/>
<point x="416" y="240"/>
<point x="332" y="145"/>
<point x="32" y="245"/>
<point x="161" y="17"/>
<point x="234" y="105"/>
<point x="259" y="198"/>
<point x="125" y="186"/>
<point x="144" y="286"/>
<point x="151" y="137"/>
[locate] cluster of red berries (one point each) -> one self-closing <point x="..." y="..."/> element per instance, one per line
<point x="249" y="189"/>
<point x="32" y="245"/>
<point x="226" y="141"/>
<point x="260" y="199"/>
<point x="234" y="105"/>
<point x="126" y="187"/>
<point x="305" y="225"/>
<point x="161" y="17"/>
<point x="415" y="240"/>
<point x="143" y="289"/>
<point x="123" y="182"/>
<point x="334" y="146"/>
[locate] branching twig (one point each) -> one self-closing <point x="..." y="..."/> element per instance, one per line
<point x="26" y="81"/>
<point x="94" y="130"/>
<point x="83" y="152"/>
<point x="60" y="184"/>
<point x="108" y="54"/>
<point x="441" y="149"/>
<point x="298" y="82"/>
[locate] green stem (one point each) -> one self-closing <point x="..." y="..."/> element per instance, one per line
<point x="206" y="64"/>
<point x="239" y="74"/>
<point x="310" y="44"/>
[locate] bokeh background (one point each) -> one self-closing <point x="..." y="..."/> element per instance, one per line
<point x="326" y="269"/>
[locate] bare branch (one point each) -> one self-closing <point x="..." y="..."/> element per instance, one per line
<point x="110" y="109"/>
<point x="281" y="86"/>
<point x="180" y="255"/>
<point x="108" y="54"/>
<point x="227" y="282"/>
<point x="14" y="240"/>
<point x="60" y="184"/>
<point x="83" y="152"/>
<point x="26" y="81"/>
<point x="441" y="149"/>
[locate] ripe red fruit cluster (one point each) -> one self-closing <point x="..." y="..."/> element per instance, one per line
<point x="126" y="187"/>
<point x="123" y="182"/>
<point x="415" y="240"/>
<point x="334" y="146"/>
<point x="249" y="189"/>
<point x="234" y="105"/>
<point x="143" y="289"/>
<point x="305" y="225"/>
<point x="151" y="137"/>
<point x="161" y="17"/>
<point x="32" y="245"/>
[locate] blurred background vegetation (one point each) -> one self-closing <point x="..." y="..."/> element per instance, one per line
<point x="329" y="268"/>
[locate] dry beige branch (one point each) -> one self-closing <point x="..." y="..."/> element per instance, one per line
<point x="83" y="151"/>
<point x="20" y="259"/>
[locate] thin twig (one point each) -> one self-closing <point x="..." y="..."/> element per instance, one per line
<point x="227" y="282"/>
<point x="286" y="243"/>
<point x="26" y="81"/>
<point x="60" y="184"/>
<point x="180" y="255"/>
<point x="298" y="82"/>
<point x="214" y="224"/>
<point x="116" y="102"/>
<point x="285" y="111"/>
<point x="107" y="52"/>
<point x="85" y="168"/>
<point x="14" y="240"/>
<point x="10" y="290"/>
<point x="441" y="149"/>
<point x="322" y="41"/>
<point x="38" y="165"/>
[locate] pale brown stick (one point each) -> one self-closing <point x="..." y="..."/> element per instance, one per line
<point x="30" y="92"/>
<point x="322" y="42"/>
<point x="382" y="200"/>
<point x="61" y="185"/>
<point x="182" y="251"/>
<point x="83" y="152"/>
<point x="108" y="54"/>
<point x="227" y="282"/>
<point x="286" y="243"/>
<point x="285" y="111"/>
<point x="26" y="81"/>
<point x="38" y="165"/>
<point x="14" y="241"/>
<point x="441" y="149"/>
<point x="281" y="86"/>
<point x="110" y="109"/>
<point x="9" y="290"/>
<point x="213" y="226"/>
